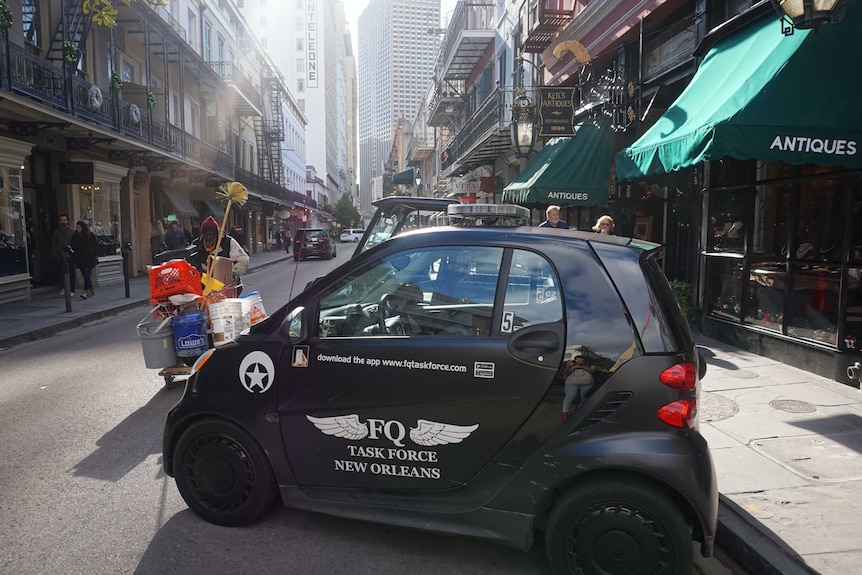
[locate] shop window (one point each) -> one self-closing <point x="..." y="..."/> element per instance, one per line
<point x="13" y="250"/>
<point x="100" y="203"/>
<point x="821" y="223"/>
<point x="769" y="228"/>
<point x="853" y="325"/>
<point x="728" y="219"/>
<point x="767" y="283"/>
<point x="812" y="303"/>
<point x="724" y="291"/>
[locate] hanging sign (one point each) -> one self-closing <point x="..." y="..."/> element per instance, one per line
<point x="76" y="172"/>
<point x="557" y="108"/>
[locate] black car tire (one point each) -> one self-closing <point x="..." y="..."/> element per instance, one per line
<point x="617" y="527"/>
<point x="223" y="474"/>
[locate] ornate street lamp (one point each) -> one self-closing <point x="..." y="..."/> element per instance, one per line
<point x="806" y="14"/>
<point x="523" y="124"/>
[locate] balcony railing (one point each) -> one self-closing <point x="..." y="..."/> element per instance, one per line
<point x="233" y="77"/>
<point x="469" y="34"/>
<point x="421" y="146"/>
<point x="491" y="120"/>
<point x="256" y="183"/>
<point x="43" y="82"/>
<point x="542" y="19"/>
<point x="445" y="103"/>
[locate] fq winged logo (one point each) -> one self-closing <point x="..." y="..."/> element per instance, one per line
<point x="426" y="433"/>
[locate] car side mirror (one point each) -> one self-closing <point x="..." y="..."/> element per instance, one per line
<point x="291" y="328"/>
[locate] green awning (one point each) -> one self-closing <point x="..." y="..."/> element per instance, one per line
<point x="404" y="177"/>
<point x="568" y="171"/>
<point x="760" y="94"/>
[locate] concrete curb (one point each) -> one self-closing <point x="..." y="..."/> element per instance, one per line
<point x="751" y="548"/>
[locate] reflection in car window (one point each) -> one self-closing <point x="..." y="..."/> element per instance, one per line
<point x="531" y="293"/>
<point x="596" y="321"/>
<point x="425" y="292"/>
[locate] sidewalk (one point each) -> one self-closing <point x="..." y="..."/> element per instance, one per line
<point x="45" y="314"/>
<point x="787" y="444"/>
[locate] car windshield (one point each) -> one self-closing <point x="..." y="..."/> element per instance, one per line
<point x="402" y="219"/>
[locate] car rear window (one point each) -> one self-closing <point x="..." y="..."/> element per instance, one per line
<point x="648" y="298"/>
<point x="315" y="234"/>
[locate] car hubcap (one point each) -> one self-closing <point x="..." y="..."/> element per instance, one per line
<point x="617" y="540"/>
<point x="220" y="473"/>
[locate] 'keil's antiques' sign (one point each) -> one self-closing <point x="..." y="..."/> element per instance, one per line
<point x="557" y="111"/>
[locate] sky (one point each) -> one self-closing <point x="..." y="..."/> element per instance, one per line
<point x="353" y="8"/>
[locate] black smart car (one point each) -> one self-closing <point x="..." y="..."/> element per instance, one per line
<point x="313" y="242"/>
<point x="488" y="382"/>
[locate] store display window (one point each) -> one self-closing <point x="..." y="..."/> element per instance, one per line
<point x="777" y="254"/>
<point x="13" y="240"/>
<point x="100" y="207"/>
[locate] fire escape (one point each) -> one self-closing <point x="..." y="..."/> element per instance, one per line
<point x="74" y="26"/>
<point x="269" y="129"/>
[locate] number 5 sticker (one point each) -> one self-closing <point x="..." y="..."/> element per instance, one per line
<point x="508" y="322"/>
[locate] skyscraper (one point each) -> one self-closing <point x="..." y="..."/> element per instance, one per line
<point x="397" y="46"/>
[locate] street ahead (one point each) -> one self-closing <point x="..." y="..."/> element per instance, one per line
<point x="82" y="488"/>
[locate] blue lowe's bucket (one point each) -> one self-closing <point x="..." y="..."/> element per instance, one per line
<point x="190" y="333"/>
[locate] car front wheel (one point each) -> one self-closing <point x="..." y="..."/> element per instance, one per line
<point x="223" y="474"/>
<point x="616" y="528"/>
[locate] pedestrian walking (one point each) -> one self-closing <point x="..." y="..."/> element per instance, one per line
<point x="175" y="239"/>
<point x="59" y="240"/>
<point x="85" y="256"/>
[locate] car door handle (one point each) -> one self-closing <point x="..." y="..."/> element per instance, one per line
<point x="537" y="340"/>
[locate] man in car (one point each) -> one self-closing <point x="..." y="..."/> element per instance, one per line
<point x="205" y="245"/>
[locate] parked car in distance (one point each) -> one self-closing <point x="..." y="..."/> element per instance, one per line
<point x="313" y="242"/>
<point x="484" y="381"/>
<point x="351" y="235"/>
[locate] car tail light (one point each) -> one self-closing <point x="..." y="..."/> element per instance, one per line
<point x="682" y="376"/>
<point x="681" y="413"/>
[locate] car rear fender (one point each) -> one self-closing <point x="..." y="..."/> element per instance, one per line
<point x="678" y="463"/>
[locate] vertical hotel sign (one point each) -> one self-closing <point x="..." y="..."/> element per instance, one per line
<point x="311" y="51"/>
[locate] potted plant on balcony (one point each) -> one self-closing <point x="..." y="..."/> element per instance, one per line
<point x="151" y="99"/>
<point x="70" y="53"/>
<point x="116" y="81"/>
<point x="5" y="15"/>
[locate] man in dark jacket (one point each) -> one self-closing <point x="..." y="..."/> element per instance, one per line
<point x="60" y="239"/>
<point x="204" y="246"/>
<point x="175" y="238"/>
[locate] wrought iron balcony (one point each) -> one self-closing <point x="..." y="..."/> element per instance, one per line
<point x="484" y="137"/>
<point x="245" y="98"/>
<point x="542" y="20"/>
<point x="421" y="146"/>
<point x="468" y="36"/>
<point x="263" y="186"/>
<point x="446" y="104"/>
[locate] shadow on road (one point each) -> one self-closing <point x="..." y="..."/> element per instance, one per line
<point x="133" y="440"/>
<point x="290" y="541"/>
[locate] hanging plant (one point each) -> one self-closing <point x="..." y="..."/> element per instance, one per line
<point x="116" y="82"/>
<point x="151" y="100"/>
<point x="70" y="53"/>
<point x="5" y="15"/>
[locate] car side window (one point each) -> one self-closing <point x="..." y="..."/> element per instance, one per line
<point x="440" y="291"/>
<point x="532" y="293"/>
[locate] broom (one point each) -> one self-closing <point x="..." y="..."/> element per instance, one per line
<point x="234" y="193"/>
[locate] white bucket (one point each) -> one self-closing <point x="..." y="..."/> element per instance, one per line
<point x="222" y="323"/>
<point x="233" y="308"/>
<point x="252" y="308"/>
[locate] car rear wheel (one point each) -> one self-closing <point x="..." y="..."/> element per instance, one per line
<point x="616" y="528"/>
<point x="223" y="474"/>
